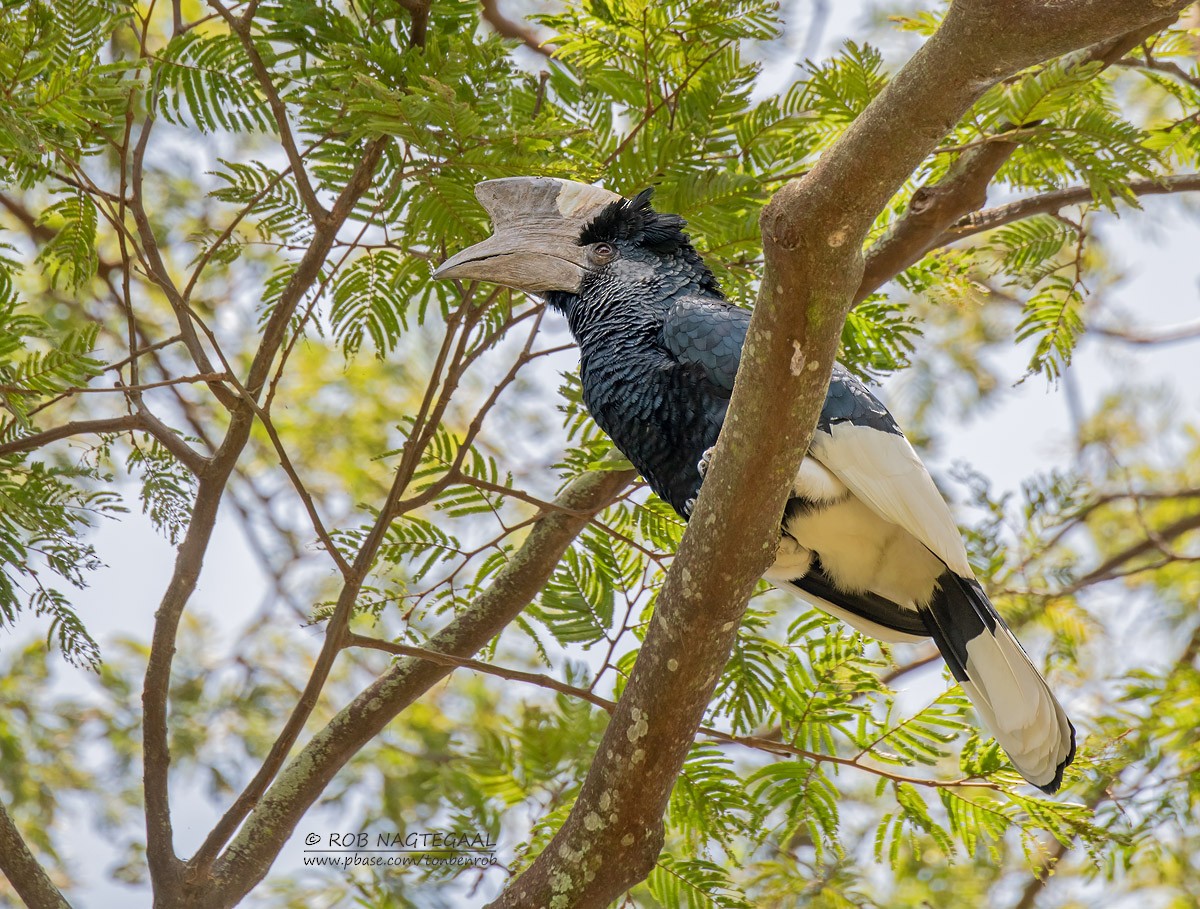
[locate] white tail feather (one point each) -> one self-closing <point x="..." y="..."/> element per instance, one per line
<point x="1018" y="708"/>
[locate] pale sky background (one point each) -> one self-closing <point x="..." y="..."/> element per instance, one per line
<point x="1025" y="431"/>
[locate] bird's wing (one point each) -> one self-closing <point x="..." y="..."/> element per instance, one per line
<point x="860" y="443"/>
<point x="856" y="438"/>
<point x="707" y="335"/>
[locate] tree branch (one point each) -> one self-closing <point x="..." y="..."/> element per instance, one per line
<point x="1189" y="332"/>
<point x="338" y="623"/>
<point x="24" y="871"/>
<point x="758" y="743"/>
<point x="142" y="421"/>
<point x="933" y="206"/>
<point x="455" y="662"/>
<point x="1107" y="569"/>
<point x="418" y="11"/>
<point x="1169" y="67"/>
<point x="937" y="206"/>
<point x="123" y="389"/>
<point x="1048" y="203"/>
<point x="240" y="26"/>
<point x="42" y="234"/>
<point x="300" y="784"/>
<point x="165" y="868"/>
<point x="156" y="266"/>
<point x="76" y="428"/>
<point x="510" y="28"/>
<point x="813" y="232"/>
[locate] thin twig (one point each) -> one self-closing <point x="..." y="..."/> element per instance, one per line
<point x="667" y="99"/>
<point x="123" y="423"/>
<point x="1162" y="66"/>
<point x="240" y="26"/>
<point x="510" y="28"/>
<point x="92" y="390"/>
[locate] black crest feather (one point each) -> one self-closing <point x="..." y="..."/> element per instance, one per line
<point x="634" y="220"/>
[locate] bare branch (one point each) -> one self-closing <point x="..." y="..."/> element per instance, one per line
<point x="500" y="672"/>
<point x="173" y="442"/>
<point x="40" y="233"/>
<point x="142" y="421"/>
<point x="931" y="655"/>
<point x="419" y="11"/>
<point x="1109" y="569"/>
<point x="165" y="867"/>
<point x="510" y="28"/>
<point x="1162" y="66"/>
<point x="240" y="26"/>
<point x="306" y="498"/>
<point x="1048" y="203"/>
<point x="1175" y="335"/>
<point x="156" y="267"/>
<point x="78" y="428"/>
<point x="424" y="426"/>
<point x="964" y="188"/>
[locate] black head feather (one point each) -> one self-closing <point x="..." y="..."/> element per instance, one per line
<point x="634" y="221"/>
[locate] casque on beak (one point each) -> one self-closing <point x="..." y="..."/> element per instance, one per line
<point x="536" y="225"/>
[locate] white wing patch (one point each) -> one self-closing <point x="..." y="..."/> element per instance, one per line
<point x="884" y="472"/>
<point x="793" y="561"/>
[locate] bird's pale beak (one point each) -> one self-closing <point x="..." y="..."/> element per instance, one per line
<point x="536" y="226"/>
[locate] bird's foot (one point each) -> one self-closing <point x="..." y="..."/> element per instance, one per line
<point x="705" y="460"/>
<point x="688" y="507"/>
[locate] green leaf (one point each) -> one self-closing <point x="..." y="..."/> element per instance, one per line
<point x="1054" y="317"/>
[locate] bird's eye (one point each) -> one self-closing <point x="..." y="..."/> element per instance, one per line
<point x="603" y="253"/>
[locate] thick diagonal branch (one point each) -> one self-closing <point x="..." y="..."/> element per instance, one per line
<point x="23" y="871"/>
<point x="510" y="28"/>
<point x="301" y="783"/>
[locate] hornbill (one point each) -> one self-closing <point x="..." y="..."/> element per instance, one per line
<point x="866" y="536"/>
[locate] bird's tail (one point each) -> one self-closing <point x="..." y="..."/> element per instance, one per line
<point x="1010" y="695"/>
